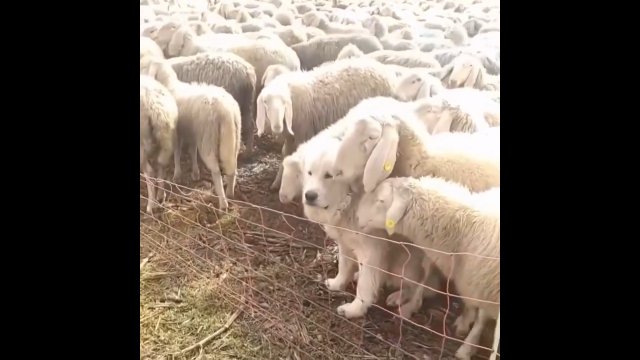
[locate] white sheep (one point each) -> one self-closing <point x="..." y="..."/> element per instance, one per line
<point x="465" y="71"/>
<point x="158" y="134"/>
<point x="349" y="51"/>
<point x="329" y="202"/>
<point x="406" y="58"/>
<point x="308" y="102"/>
<point x="441" y="215"/>
<point x="272" y="72"/>
<point x="209" y="120"/>
<point x="148" y="47"/>
<point x="417" y="84"/>
<point x="321" y="49"/>
<point x="398" y="144"/>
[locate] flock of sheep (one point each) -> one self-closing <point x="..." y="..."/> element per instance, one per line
<point x="389" y="116"/>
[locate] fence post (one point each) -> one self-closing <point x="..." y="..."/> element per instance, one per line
<point x="496" y="340"/>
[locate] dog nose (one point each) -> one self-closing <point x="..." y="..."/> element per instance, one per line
<point x="311" y="195"/>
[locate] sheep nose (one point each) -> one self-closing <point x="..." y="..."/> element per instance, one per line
<point x="311" y="195"/>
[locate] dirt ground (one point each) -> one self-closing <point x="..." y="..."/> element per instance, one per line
<point x="261" y="271"/>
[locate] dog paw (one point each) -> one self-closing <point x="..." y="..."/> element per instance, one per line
<point x="335" y="285"/>
<point x="353" y="309"/>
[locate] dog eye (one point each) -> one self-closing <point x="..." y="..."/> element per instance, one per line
<point x="309" y="173"/>
<point x="327" y="176"/>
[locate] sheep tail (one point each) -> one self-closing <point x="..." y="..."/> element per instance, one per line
<point x="229" y="143"/>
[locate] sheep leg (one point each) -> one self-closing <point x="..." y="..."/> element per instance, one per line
<point x="346" y="269"/>
<point x="287" y="149"/>
<point x="415" y="302"/>
<point x="369" y="281"/>
<point x="468" y="349"/>
<point x="231" y="185"/>
<point x="151" y="191"/>
<point x="212" y="164"/>
<point x="463" y="322"/>
<point x="161" y="184"/>
<point x="195" y="169"/>
<point x="177" y="168"/>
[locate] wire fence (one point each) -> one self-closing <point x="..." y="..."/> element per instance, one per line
<point x="271" y="266"/>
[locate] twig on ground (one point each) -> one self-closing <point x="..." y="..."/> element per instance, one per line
<point x="145" y="260"/>
<point x="200" y="344"/>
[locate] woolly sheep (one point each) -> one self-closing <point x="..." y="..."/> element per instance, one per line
<point x="208" y="120"/>
<point x="272" y="72"/>
<point x="326" y="48"/>
<point x="148" y="47"/>
<point x="158" y="134"/>
<point x="416" y="84"/>
<point x="437" y="214"/>
<point x="284" y="18"/>
<point x="309" y="102"/>
<point x="319" y="20"/>
<point x="230" y="72"/>
<point x="349" y="51"/>
<point x="408" y="58"/>
<point x="329" y="202"/>
<point x="304" y="8"/>
<point x="313" y="32"/>
<point x="372" y="146"/>
<point x="253" y="26"/>
<point x="441" y="116"/>
<point x="228" y="27"/>
<point x="465" y="71"/>
<point x="291" y="35"/>
<point x="490" y="63"/>
<point x="431" y="44"/>
<point x="473" y="101"/>
<point x="457" y="34"/>
<point x="199" y="27"/>
<point x="262" y="53"/>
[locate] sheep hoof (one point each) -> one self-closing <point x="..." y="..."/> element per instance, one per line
<point x="176" y="177"/>
<point x="464" y="352"/>
<point x="223" y="205"/>
<point x="408" y="309"/>
<point x="461" y="327"/>
<point x="335" y="285"/>
<point x="396" y="298"/>
<point x="195" y="175"/>
<point x="353" y="309"/>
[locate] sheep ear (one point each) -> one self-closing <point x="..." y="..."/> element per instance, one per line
<point x="382" y="159"/>
<point x="396" y="211"/>
<point x="260" y="115"/>
<point x="444" y="123"/>
<point x="288" y="115"/>
<point x="479" y="83"/>
<point x="153" y="69"/>
<point x="446" y="72"/>
<point x="472" y="79"/>
<point x="424" y="91"/>
<point x="176" y="43"/>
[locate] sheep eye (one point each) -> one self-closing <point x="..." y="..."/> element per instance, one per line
<point x="309" y="173"/>
<point x="327" y="176"/>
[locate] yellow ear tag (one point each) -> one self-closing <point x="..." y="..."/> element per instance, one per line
<point x="390" y="224"/>
<point x="388" y="167"/>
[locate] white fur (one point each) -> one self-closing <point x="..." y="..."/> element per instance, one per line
<point x="447" y="217"/>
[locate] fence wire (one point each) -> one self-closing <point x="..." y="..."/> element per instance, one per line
<point x="272" y="265"/>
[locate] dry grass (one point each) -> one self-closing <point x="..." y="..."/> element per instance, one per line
<point x="205" y="267"/>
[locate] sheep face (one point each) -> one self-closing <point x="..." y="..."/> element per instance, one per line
<point x="409" y="87"/>
<point x="384" y="207"/>
<point x="466" y="71"/>
<point x="369" y="150"/>
<point x="433" y="112"/>
<point x="319" y="188"/>
<point x="291" y="185"/>
<point x="151" y="32"/>
<point x="165" y="33"/>
<point x="277" y="108"/>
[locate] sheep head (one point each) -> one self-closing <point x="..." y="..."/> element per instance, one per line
<point x="274" y="103"/>
<point x="181" y="38"/>
<point x="369" y="149"/>
<point x="467" y="71"/>
<point x="291" y="185"/>
<point x="435" y="114"/>
<point x="384" y="207"/>
<point x="409" y="86"/>
<point x="165" y="34"/>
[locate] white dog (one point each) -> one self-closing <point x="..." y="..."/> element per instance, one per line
<point x="330" y="202"/>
